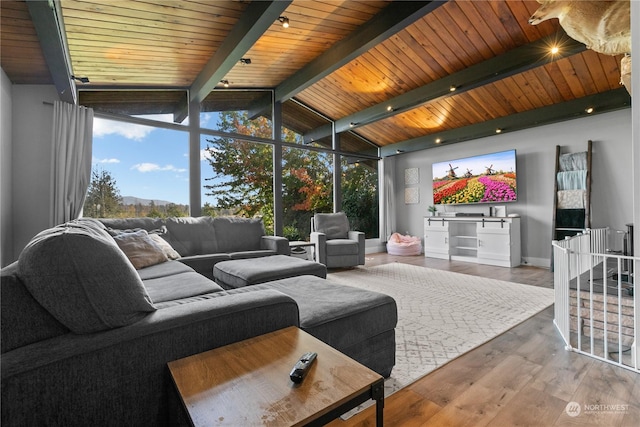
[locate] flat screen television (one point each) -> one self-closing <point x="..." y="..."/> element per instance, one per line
<point x="487" y="178"/>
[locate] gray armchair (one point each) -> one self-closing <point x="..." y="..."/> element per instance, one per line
<point x="336" y="245"/>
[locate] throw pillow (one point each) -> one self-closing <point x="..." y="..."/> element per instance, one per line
<point x="141" y="250"/>
<point x="164" y="245"/>
<point x="80" y="276"/>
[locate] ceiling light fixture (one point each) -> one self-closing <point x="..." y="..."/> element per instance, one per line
<point x="285" y="21"/>
<point x="245" y="61"/>
<point x="389" y="108"/>
<point x="589" y="110"/>
<point x="554" y="50"/>
<point x="352" y="124"/>
<point x="498" y="130"/>
<point x="452" y="88"/>
<point x="83" y="80"/>
<point x="225" y="83"/>
<point x="438" y="140"/>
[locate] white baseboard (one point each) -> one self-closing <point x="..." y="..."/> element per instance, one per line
<point x="537" y="262"/>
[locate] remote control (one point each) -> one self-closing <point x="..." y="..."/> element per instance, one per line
<point x="302" y="367"/>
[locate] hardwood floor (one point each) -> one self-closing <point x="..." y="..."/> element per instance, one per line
<point x="523" y="377"/>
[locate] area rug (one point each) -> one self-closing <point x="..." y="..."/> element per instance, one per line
<point x="442" y="315"/>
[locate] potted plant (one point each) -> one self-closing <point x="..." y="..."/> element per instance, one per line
<point x="432" y="210"/>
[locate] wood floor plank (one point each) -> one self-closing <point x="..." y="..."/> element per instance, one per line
<point x="530" y="408"/>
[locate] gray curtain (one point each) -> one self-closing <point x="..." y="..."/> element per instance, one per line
<point x="388" y="198"/>
<point x="72" y="140"/>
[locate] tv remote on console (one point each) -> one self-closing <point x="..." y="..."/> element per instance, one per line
<point x="301" y="368"/>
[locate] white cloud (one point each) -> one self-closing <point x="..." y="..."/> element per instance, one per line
<point x="154" y="167"/>
<point x="102" y="127"/>
<point x="204" y="155"/>
<point x="112" y="160"/>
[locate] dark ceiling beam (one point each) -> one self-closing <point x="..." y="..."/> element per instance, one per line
<point x="515" y="61"/>
<point x="256" y="19"/>
<point x="393" y="18"/>
<point x="47" y="21"/>
<point x="604" y="102"/>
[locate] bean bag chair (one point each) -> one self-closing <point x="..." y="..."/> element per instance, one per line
<point x="403" y="245"/>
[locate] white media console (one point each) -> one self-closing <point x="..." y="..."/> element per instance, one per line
<point x="484" y="240"/>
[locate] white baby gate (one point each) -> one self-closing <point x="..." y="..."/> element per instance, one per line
<point x="596" y="308"/>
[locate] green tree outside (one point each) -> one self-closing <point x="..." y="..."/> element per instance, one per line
<point x="103" y="197"/>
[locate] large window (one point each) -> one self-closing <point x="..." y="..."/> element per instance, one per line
<point x="237" y="175"/>
<point x="360" y="195"/>
<point x="142" y="170"/>
<point x="137" y="171"/>
<point x="307" y="181"/>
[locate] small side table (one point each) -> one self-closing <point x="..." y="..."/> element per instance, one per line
<point x="303" y="244"/>
<point x="247" y="383"/>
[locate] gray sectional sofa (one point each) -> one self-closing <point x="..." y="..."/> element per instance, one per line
<point x="203" y="241"/>
<point x="86" y="336"/>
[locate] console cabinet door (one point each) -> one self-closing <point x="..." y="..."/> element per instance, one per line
<point x="494" y="243"/>
<point x="436" y="238"/>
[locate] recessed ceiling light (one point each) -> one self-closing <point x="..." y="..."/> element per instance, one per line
<point x="225" y="83"/>
<point x="245" y="61"/>
<point x="498" y="130"/>
<point x="438" y="140"/>
<point x="589" y="110"/>
<point x="285" y="21"/>
<point x="389" y="108"/>
<point x="554" y="50"/>
<point x="452" y="88"/>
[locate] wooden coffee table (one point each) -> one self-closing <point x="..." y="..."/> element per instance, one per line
<point x="247" y="383"/>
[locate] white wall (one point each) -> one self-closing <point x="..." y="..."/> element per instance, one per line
<point x="6" y="217"/>
<point x="612" y="200"/>
<point x="31" y="162"/>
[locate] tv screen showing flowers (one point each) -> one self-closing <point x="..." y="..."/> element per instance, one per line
<point x="487" y="178"/>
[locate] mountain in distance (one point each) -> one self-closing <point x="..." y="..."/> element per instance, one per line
<point x="129" y="200"/>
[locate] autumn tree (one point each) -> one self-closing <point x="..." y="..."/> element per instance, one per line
<point x="243" y="177"/>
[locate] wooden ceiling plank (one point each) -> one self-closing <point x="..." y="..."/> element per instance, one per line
<point x="544" y="79"/>
<point x="584" y="75"/>
<point x="607" y="101"/>
<point x="366" y="36"/>
<point x="256" y="19"/>
<point x="508" y="64"/>
<point x="466" y="27"/>
<point x="457" y="38"/>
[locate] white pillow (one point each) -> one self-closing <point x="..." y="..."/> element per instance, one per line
<point x="140" y="248"/>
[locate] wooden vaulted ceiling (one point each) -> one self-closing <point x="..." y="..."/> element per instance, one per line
<point x="382" y="71"/>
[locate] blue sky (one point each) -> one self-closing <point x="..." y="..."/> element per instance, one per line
<point x="146" y="162"/>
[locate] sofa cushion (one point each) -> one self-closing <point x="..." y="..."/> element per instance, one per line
<point x="203" y="264"/>
<point x="23" y="320"/>
<point x="165" y="269"/>
<point x="134" y="224"/>
<point x="236" y="234"/>
<point x="192" y="236"/>
<point x="244" y="272"/>
<point x="141" y="250"/>
<point x="339" y="247"/>
<point x="77" y="272"/>
<point x="334" y="225"/>
<point x="341" y="316"/>
<point x="177" y="286"/>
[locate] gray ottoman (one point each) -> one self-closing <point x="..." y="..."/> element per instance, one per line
<point x="243" y="272"/>
<point x="357" y="322"/>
